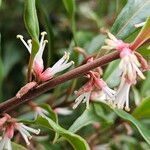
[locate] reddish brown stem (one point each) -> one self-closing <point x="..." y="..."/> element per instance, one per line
<point x="79" y="71"/>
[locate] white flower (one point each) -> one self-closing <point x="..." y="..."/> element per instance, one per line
<point x="139" y="24"/>
<point x="130" y="65"/>
<point x="114" y="43"/>
<point x="40" y="112"/>
<point x="122" y="96"/>
<point x="5" y="143"/>
<point x="84" y="98"/>
<point x="25" y="131"/>
<point x="38" y="66"/>
<point x="106" y="95"/>
<point x="63" y="111"/>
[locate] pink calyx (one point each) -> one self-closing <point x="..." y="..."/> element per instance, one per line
<point x="125" y="52"/>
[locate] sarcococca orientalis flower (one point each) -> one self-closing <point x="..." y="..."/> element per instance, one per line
<point x="131" y="66"/>
<point x="38" y="65"/>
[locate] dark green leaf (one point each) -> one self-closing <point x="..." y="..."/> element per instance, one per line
<point x="30" y="19"/>
<point x="70" y="7"/>
<point x="112" y="74"/>
<point x="135" y="11"/>
<point x="93" y="114"/>
<point x="143" y="110"/>
<point x="76" y="141"/>
<point x="141" y="128"/>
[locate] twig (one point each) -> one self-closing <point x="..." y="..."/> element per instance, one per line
<point x="79" y="71"/>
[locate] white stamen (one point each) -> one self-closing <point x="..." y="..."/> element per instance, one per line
<point x="140" y="24"/>
<point x="24" y="130"/>
<point x="32" y="130"/>
<point x="23" y="41"/>
<point x="85" y="97"/>
<point x="30" y="44"/>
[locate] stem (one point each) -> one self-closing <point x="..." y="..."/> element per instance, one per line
<point x="79" y="71"/>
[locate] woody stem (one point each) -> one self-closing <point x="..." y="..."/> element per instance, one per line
<point x="77" y="72"/>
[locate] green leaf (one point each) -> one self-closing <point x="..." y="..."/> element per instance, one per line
<point x="70" y="7"/>
<point x="143" y="36"/>
<point x="145" y="88"/>
<point x="16" y="146"/>
<point x="135" y="11"/>
<point x="142" y="111"/>
<point x="53" y="116"/>
<point x="94" y="114"/>
<point x="76" y="141"/>
<point x="112" y="74"/>
<point x="31" y="20"/>
<point x="141" y="128"/>
<point x="46" y="22"/>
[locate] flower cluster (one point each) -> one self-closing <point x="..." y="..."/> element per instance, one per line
<point x="94" y="85"/>
<point x="8" y="125"/>
<point x="38" y="65"/>
<point x="131" y="67"/>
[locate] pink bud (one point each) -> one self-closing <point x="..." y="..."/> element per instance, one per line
<point x="4" y="119"/>
<point x="10" y="131"/>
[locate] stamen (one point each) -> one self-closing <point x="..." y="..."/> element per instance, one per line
<point x="139" y="24"/>
<point x="30" y="44"/>
<point x="36" y="131"/>
<point x="23" y="41"/>
<point x="42" y="38"/>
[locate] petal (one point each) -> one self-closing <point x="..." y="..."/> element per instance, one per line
<point x="46" y="75"/>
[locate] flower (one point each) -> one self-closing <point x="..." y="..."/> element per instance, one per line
<point x="25" y="131"/>
<point x="40" y="112"/>
<point x="38" y="65"/>
<point x="94" y="85"/>
<point x="8" y="126"/>
<point x="113" y="43"/>
<point x="63" y="111"/>
<point x="4" y="119"/>
<point x="122" y="96"/>
<point x="140" y="24"/>
<point x="5" y="142"/>
<point x="131" y="66"/>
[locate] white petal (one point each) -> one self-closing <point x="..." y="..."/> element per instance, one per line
<point x="61" y="68"/>
<point x="63" y="111"/>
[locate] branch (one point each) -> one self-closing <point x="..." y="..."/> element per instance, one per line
<point x="79" y="71"/>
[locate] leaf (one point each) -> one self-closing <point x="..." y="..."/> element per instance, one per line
<point x="93" y="114"/>
<point x="95" y="44"/>
<point x="135" y="11"/>
<point x="50" y="35"/>
<point x="53" y="116"/>
<point x="16" y="146"/>
<point x="145" y="88"/>
<point x="143" y="36"/>
<point x="76" y="141"/>
<point x="141" y="128"/>
<point x="142" y="111"/>
<point x="30" y="19"/>
<point x="70" y="7"/>
<point x="112" y="74"/>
